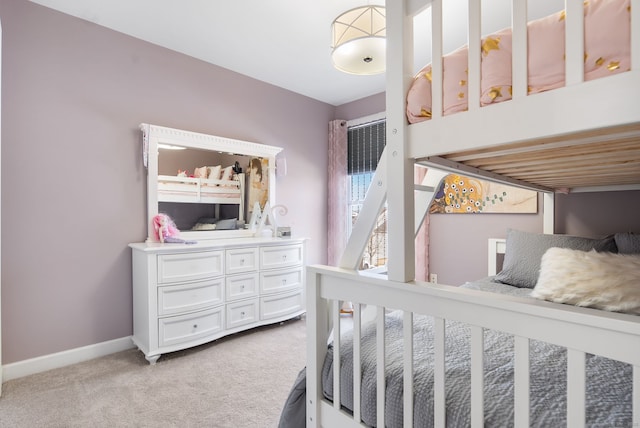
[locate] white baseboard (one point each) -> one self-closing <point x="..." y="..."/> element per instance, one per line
<point x="64" y="358"/>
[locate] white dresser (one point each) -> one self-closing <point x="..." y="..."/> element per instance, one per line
<point x="187" y="295"/>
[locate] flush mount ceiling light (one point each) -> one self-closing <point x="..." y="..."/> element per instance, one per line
<point x="359" y="40"/>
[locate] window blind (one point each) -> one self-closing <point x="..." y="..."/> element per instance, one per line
<point x="364" y="146"/>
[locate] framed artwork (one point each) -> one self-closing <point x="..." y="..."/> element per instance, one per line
<point x="466" y="195"/>
<point x="258" y="183"/>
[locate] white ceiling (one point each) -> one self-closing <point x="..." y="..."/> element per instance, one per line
<point x="282" y="42"/>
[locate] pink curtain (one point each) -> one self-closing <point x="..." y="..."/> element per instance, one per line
<point x="337" y="205"/>
<point x="422" y="238"/>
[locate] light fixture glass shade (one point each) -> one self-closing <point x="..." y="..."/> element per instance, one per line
<point x="359" y="44"/>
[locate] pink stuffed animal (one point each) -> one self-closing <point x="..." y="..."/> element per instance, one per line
<point x="166" y="230"/>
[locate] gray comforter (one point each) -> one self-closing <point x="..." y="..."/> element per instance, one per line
<point x="608" y="394"/>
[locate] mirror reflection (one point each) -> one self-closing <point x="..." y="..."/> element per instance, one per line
<point x="207" y="185"/>
<point x="209" y="190"/>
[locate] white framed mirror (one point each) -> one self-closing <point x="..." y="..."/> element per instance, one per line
<point x="208" y="185"/>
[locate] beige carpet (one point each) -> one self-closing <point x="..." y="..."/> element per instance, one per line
<point x="237" y="381"/>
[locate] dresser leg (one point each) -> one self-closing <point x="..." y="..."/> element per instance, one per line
<point x="152" y="358"/>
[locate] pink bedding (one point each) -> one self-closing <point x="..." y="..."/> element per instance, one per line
<point x="607" y="51"/>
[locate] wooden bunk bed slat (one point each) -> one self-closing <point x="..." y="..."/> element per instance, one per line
<point x="504" y="164"/>
<point x="615" y="135"/>
<point x="563" y="165"/>
<point x="589" y="159"/>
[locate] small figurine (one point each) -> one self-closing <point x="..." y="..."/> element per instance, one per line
<point x="236" y="168"/>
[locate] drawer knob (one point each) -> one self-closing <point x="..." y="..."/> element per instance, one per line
<point x="284" y="281"/>
<point x="242" y="314"/>
<point x="195" y="326"/>
<point x="284" y="257"/>
<point x="241" y="261"/>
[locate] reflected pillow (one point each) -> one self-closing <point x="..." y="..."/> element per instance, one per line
<point x="227" y="173"/>
<point x="605" y="281"/>
<point x="227" y="224"/>
<point x="214" y="172"/>
<point x="201" y="172"/>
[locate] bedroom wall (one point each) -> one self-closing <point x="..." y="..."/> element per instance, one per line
<point x="361" y="108"/>
<point x="598" y="214"/>
<point x="73" y="185"/>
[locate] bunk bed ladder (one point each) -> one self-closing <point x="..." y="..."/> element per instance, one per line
<point x="375" y="199"/>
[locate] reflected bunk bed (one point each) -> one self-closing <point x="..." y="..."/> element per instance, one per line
<point x="202" y="190"/>
<point x="583" y="135"/>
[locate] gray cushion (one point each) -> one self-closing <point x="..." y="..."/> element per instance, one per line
<point x="226" y="224"/>
<point x="628" y="243"/>
<point x="524" y="252"/>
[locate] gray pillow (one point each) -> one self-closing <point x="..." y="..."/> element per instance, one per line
<point x="524" y="252"/>
<point x="628" y="243"/>
<point x="226" y="224"/>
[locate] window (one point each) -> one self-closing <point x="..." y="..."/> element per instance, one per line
<point x="365" y="145"/>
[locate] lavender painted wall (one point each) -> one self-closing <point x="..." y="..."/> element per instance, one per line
<point x="598" y="214"/>
<point x="361" y="108"/>
<point x="73" y="184"/>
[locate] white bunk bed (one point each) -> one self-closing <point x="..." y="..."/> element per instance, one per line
<point x="591" y="127"/>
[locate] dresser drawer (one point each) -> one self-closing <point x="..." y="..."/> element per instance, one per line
<point x="190" y="266"/>
<point x="190" y="327"/>
<point x="238" y="260"/>
<point x="175" y="299"/>
<point x="280" y="256"/>
<point x="242" y="312"/>
<point x="280" y="280"/>
<point x="280" y="305"/>
<point x="241" y="286"/>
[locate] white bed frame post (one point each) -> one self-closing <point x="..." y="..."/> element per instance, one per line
<point x="400" y="222"/>
<point x="317" y="335"/>
<point x="548" y="213"/>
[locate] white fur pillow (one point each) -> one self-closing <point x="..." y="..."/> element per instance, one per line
<point x="606" y="281"/>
